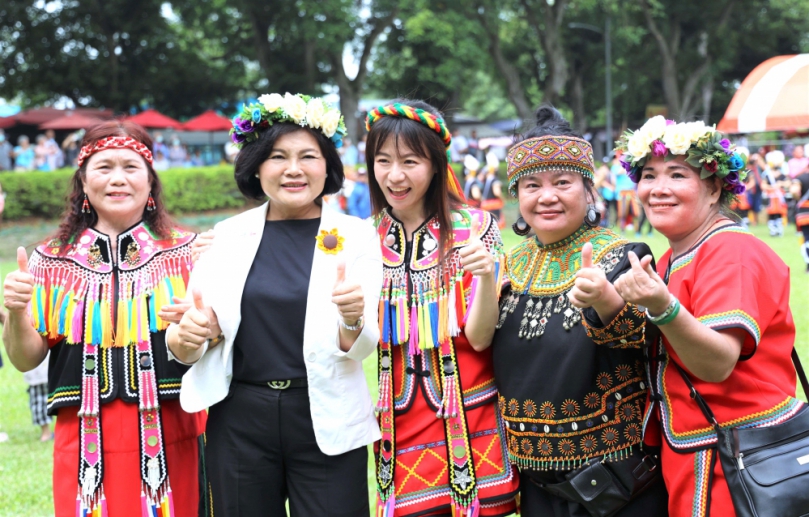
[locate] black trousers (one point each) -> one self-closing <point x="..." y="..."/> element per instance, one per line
<point x="261" y="451"/>
<point x="536" y="502"/>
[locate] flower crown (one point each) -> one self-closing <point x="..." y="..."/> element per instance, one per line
<point x="299" y="109"/>
<point x="707" y="150"/>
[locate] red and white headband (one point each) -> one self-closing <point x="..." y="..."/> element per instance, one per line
<point x="115" y="142"/>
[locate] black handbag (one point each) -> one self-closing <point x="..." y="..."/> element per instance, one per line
<point x="603" y="488"/>
<point x="766" y="468"/>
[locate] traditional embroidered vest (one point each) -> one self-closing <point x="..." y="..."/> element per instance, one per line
<point x="87" y="296"/>
<point x="423" y="306"/>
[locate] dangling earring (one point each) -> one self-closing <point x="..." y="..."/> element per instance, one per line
<point x="85" y="206"/>
<point x="520" y="227"/>
<point x="150" y="204"/>
<point x="592" y="217"/>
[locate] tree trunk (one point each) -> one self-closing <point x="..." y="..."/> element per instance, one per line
<point x="577" y="97"/>
<point x="707" y="98"/>
<point x="349" y="106"/>
<point x="309" y="56"/>
<point x="550" y="37"/>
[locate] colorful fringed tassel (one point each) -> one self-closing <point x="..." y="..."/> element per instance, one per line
<point x="386" y="508"/>
<point x="384" y="392"/>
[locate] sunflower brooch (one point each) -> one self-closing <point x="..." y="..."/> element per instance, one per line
<point x="330" y="242"/>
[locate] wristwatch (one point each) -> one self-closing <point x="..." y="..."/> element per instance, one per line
<point x="356" y="326"/>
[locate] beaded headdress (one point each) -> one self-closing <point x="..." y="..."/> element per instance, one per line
<point x="114" y="142"/>
<point x="549" y="153"/>
<point x="705" y="148"/>
<point x="306" y="111"/>
<point x="423" y="117"/>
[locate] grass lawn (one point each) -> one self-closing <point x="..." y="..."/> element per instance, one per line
<point x="25" y="464"/>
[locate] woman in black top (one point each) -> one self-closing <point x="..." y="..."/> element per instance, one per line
<point x="568" y="357"/>
<point x="284" y="287"/>
<point x="800" y="191"/>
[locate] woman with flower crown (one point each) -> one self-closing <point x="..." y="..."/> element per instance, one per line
<point x="92" y="296"/>
<point x="720" y="298"/>
<point x="442" y="450"/>
<point x="568" y="352"/>
<point x="284" y="311"/>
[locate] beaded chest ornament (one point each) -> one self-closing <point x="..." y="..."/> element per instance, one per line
<point x="82" y="295"/>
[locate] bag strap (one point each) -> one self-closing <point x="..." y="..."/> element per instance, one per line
<point x="801" y="373"/>
<point x="706" y="409"/>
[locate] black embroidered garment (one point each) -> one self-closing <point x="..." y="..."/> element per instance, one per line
<point x="570" y="388"/>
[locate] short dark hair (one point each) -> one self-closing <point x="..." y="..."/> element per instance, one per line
<point x="253" y="154"/>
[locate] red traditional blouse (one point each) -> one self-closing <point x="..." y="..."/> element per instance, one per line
<point x="730" y="279"/>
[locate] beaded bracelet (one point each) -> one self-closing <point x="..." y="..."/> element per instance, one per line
<point x="668" y="315"/>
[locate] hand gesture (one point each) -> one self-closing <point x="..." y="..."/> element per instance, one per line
<point x="348" y="297"/>
<point x="201" y="244"/>
<point x="475" y="258"/>
<point x="173" y="313"/>
<point x="195" y="325"/>
<point x="591" y="284"/>
<point x="641" y="285"/>
<point x="19" y="285"/>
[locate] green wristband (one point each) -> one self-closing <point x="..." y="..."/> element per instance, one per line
<point x="668" y="315"/>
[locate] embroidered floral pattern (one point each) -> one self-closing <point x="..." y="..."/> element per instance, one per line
<point x="609" y="436"/>
<point x="588" y="444"/>
<point x="623" y="372"/>
<point x="592" y="400"/>
<point x="626" y="330"/>
<point x="547" y="410"/>
<point x="529" y="408"/>
<point x="567" y="447"/>
<point x="604" y="381"/>
<point x="570" y="407"/>
<point x="527" y="446"/>
<point x="513" y="407"/>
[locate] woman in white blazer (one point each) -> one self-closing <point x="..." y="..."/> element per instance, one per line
<point x="285" y="310"/>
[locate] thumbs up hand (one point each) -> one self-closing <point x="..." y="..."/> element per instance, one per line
<point x="591" y="287"/>
<point x="197" y="325"/>
<point x="19" y="285"/>
<point x="475" y="258"/>
<point x="173" y="312"/>
<point x="347" y="296"/>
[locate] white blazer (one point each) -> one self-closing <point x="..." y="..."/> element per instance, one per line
<point x="341" y="407"/>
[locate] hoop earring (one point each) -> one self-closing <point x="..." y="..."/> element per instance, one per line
<point x="520" y="227"/>
<point x="591" y="216"/>
<point x="85" y="206"/>
<point x="150" y="204"/>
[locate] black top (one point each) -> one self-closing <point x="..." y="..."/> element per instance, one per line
<point x="269" y="344"/>
<point x="803" y="179"/>
<point x="567" y="396"/>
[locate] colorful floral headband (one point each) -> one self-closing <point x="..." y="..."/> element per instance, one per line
<point x="549" y="153"/>
<point x="423" y="117"/>
<point x="115" y="142"/>
<point x="299" y="109"/>
<point x="707" y="150"/>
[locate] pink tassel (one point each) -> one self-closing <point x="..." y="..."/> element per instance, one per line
<point x="413" y="347"/>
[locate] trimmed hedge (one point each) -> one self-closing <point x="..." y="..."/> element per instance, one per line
<point x="193" y="189"/>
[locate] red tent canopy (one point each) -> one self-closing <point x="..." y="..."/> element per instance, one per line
<point x="208" y="121"/>
<point x="38" y="116"/>
<point x="6" y="122"/>
<point x="153" y="119"/>
<point x="71" y="122"/>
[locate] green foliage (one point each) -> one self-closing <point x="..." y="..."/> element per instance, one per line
<point x="44" y="194"/>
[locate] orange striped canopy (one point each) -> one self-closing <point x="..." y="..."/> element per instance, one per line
<point x="774" y="97"/>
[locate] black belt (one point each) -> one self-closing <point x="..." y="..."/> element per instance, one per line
<point x="281" y="385"/>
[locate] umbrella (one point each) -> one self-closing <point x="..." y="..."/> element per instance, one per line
<point x="153" y="119"/>
<point x="774" y="97"/>
<point x="71" y="122"/>
<point x="208" y="121"/>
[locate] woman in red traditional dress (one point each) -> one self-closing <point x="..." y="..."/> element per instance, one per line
<point x="720" y="297"/>
<point x="92" y="295"/>
<point x="442" y="270"/>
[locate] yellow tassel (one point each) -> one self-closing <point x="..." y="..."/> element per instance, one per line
<point x="106" y="322"/>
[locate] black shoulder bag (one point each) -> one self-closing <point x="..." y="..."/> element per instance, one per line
<point x="766" y="468"/>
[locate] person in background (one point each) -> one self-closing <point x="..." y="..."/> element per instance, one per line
<point x="753" y="187"/>
<point x="799" y="163"/>
<point x="625" y="195"/>
<point x="604" y="185"/>
<point x="55" y="157"/>
<point x="70" y="147"/>
<point x="800" y="192"/>
<point x="159" y="145"/>
<point x="160" y="162"/>
<point x="361" y="148"/>
<point x="37" y="381"/>
<point x="460" y="146"/>
<point x="491" y="197"/>
<point x="349" y="153"/>
<point x="775" y="181"/>
<point x="6" y="151"/>
<point x="177" y="153"/>
<point x="23" y="155"/>
<point x="474" y="145"/>
<point x="359" y="202"/>
<point x="42" y="154"/>
<point x="471" y="184"/>
<point x="196" y="159"/>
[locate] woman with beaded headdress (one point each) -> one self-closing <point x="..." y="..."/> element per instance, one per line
<point x="92" y="296"/>
<point x="720" y="298"/>
<point x="568" y="352"/>
<point x="290" y="290"/>
<point x="442" y="269"/>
